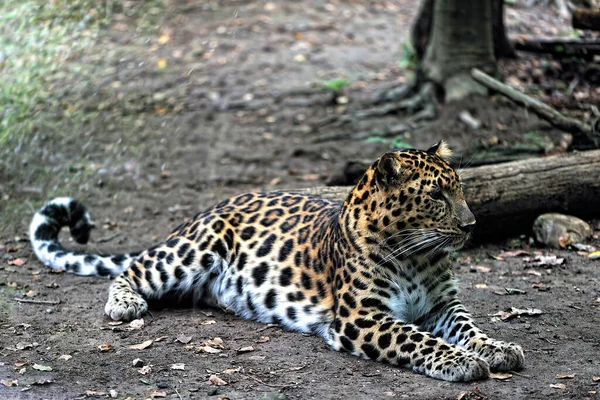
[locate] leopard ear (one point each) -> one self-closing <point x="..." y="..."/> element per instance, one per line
<point x="389" y="168"/>
<point x="441" y="150"/>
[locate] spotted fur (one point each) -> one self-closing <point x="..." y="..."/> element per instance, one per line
<point x="371" y="276"/>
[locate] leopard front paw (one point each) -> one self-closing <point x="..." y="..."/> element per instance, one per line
<point x="502" y="356"/>
<point x="125" y="306"/>
<point x="461" y="366"/>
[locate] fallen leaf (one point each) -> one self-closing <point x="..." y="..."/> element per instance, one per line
<point x="208" y="349"/>
<point x="501" y="376"/>
<point x="161" y="338"/>
<point x="19" y="262"/>
<point x="178" y="366"/>
<point x="511" y="291"/>
<point x="183" y="339"/>
<point x="142" y="346"/>
<point x="164" y="38"/>
<point x="216" y="342"/>
<point x="481" y="268"/>
<point x="533" y="272"/>
<point x="232" y="370"/>
<point x="9" y="382"/>
<point x="136" y="324"/>
<point x="208" y="322"/>
<point x="558" y="386"/>
<point x="544" y="261"/>
<point x="24" y="346"/>
<point x="263" y="339"/>
<point x="145" y="381"/>
<point x="65" y="357"/>
<point x="113" y="394"/>
<point x="115" y="323"/>
<point x="158" y="395"/>
<point x="516" y="312"/>
<point x="31" y="293"/>
<point x="516" y="253"/>
<point x="42" y="367"/>
<point x="215" y="380"/>
<point x="161" y="63"/>
<point x="145" y="370"/>
<point x="20" y="363"/>
<point x="565" y="376"/>
<point x="92" y="393"/>
<point x="104" y="347"/>
<point x="596" y="378"/>
<point x="481" y="285"/>
<point x="246" y="349"/>
<point x="594" y="255"/>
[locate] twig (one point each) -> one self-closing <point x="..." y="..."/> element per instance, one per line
<point x="583" y="132"/>
<point x="267" y="327"/>
<point x="176" y="391"/>
<point x="33" y="301"/>
<point x="108" y="238"/>
<point x="268" y="384"/>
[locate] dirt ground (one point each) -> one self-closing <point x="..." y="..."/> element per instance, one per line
<point x="207" y="106"/>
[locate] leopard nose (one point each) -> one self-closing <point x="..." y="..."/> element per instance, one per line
<point x="467" y="227"/>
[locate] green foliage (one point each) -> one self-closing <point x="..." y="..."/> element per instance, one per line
<point x="408" y="57"/>
<point x="395" y="143"/>
<point x="334" y="85"/>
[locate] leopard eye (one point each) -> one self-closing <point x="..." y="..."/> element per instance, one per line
<point x="436" y="194"/>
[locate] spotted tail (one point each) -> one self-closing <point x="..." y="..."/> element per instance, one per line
<point x="43" y="233"/>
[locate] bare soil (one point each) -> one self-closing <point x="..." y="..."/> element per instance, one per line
<point x="206" y="107"/>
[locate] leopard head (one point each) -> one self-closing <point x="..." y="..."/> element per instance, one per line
<point x="410" y="202"/>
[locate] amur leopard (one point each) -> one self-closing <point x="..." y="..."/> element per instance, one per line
<point x="371" y="276"/>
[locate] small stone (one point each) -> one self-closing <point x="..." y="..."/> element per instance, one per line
<point x="559" y="230"/>
<point x="162" y="384"/>
<point x="138" y="362"/>
<point x="212" y="391"/>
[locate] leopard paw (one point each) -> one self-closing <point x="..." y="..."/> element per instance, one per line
<point x="125" y="306"/>
<point x="459" y="366"/>
<point x="503" y="356"/>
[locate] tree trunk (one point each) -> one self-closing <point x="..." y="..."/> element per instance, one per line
<point x="421" y="30"/>
<point x="461" y="39"/>
<point x="506" y="198"/>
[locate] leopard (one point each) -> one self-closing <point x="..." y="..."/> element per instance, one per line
<point x="371" y="275"/>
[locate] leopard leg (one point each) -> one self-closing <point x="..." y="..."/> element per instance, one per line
<point x="383" y="338"/>
<point x="454" y="324"/>
<point x="175" y="266"/>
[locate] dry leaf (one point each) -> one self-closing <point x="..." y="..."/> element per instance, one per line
<point x="533" y="272"/>
<point x="594" y="256"/>
<point x="215" y="342"/>
<point x="42" y="367"/>
<point x="65" y="357"/>
<point x="24" y="346"/>
<point x="164" y="38"/>
<point x="544" y="261"/>
<point x="558" y="386"/>
<point x="115" y="323"/>
<point x="232" y="370"/>
<point x="246" y="349"/>
<point x="208" y="322"/>
<point x="263" y="339"/>
<point x="481" y="285"/>
<point x="158" y="395"/>
<point x="92" y="393"/>
<point x="501" y="376"/>
<point x="511" y="291"/>
<point x="146" y="369"/>
<point x="9" y="382"/>
<point x="208" y="349"/>
<point x="19" y="262"/>
<point x="215" y="380"/>
<point x="178" y="366"/>
<point x="136" y="324"/>
<point x="482" y="268"/>
<point x="183" y="339"/>
<point x="104" y="347"/>
<point x="516" y="312"/>
<point x="20" y="363"/>
<point x="596" y="378"/>
<point x="113" y="394"/>
<point x="516" y="253"/>
<point x="565" y="376"/>
<point x="31" y="293"/>
<point x="142" y="346"/>
<point x="161" y="338"/>
<point x="161" y="63"/>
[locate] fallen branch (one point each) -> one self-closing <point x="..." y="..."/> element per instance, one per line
<point x="33" y="301"/>
<point x="582" y="132"/>
<point x="560" y="47"/>
<point x="507" y="197"/>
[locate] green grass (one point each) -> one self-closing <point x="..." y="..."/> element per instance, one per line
<point x="334" y="85"/>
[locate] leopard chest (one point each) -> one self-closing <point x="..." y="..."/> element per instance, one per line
<point x="411" y="299"/>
